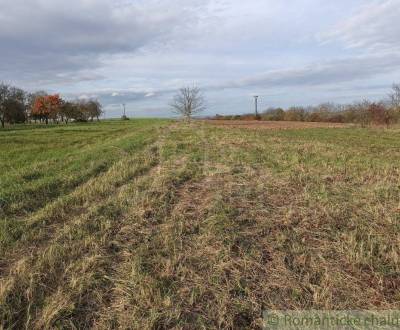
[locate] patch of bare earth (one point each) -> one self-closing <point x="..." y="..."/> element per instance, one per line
<point x="257" y="124"/>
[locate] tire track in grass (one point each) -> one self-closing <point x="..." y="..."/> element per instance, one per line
<point x="56" y="167"/>
<point x="37" y="285"/>
<point x="63" y="308"/>
<point x="151" y="203"/>
<point x="31" y="270"/>
<point x="55" y="212"/>
<point x="42" y="225"/>
<point x="145" y="220"/>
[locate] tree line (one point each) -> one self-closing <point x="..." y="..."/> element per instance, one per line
<point x="386" y="112"/>
<point x="19" y="106"/>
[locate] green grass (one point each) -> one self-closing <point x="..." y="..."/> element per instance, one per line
<point x="40" y="164"/>
<point x="154" y="224"/>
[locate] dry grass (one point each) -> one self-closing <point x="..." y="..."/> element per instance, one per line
<point x="208" y="227"/>
<point x="257" y="124"/>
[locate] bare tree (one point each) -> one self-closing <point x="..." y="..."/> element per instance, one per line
<point x="188" y="102"/>
<point x="395" y="96"/>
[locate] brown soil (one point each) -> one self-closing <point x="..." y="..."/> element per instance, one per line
<point x="255" y="124"/>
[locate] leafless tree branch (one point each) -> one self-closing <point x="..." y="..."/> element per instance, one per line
<point x="188" y="102"/>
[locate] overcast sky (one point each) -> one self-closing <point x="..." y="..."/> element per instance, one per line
<point x="139" y="52"/>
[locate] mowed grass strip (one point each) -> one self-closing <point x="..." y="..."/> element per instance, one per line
<point x="39" y="165"/>
<point x="207" y="227"/>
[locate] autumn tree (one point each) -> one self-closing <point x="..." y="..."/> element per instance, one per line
<point x="31" y="99"/>
<point x="17" y="106"/>
<point x="47" y="107"/>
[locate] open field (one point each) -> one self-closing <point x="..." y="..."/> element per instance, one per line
<point x="157" y="224"/>
<point x="258" y="124"/>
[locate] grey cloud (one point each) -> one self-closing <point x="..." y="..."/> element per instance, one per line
<point x="325" y="73"/>
<point x="328" y="75"/>
<point x="375" y="26"/>
<point x="138" y="51"/>
<point x="50" y="37"/>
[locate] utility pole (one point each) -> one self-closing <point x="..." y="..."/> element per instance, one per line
<point x="256" y="104"/>
<point x="123" y="104"/>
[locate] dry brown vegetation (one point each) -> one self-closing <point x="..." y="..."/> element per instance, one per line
<point x="207" y="227"/>
<point x="256" y="124"/>
<point x="365" y="113"/>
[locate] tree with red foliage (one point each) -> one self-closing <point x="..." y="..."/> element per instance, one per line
<point x="47" y="106"/>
